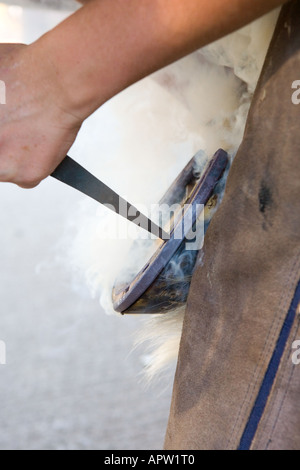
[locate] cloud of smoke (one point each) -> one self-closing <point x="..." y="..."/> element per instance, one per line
<point x="148" y="133"/>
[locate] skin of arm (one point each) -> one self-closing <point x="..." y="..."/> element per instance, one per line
<point x="54" y="84"/>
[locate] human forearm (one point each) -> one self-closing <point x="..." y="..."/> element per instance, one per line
<point x="110" y="44"/>
<point x="56" y="82"/>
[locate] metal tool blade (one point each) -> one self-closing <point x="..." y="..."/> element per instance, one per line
<point x="74" y="175"/>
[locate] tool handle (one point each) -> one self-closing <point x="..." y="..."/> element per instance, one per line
<point x="74" y="175"/>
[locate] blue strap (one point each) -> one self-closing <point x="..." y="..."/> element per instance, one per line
<point x="263" y="395"/>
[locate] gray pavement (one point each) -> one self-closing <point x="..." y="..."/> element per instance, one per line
<point x="71" y="381"/>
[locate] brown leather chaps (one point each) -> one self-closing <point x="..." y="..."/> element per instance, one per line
<point x="237" y="384"/>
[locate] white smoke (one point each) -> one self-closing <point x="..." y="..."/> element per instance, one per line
<point x="146" y="135"/>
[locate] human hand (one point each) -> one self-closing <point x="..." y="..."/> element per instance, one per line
<point x="36" y="129"/>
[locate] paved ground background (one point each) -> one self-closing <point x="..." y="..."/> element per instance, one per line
<point x="70" y="381"/>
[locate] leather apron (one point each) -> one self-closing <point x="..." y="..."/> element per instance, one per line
<point x="237" y="385"/>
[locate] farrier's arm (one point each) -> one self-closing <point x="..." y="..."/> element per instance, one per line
<point x="55" y="83"/>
